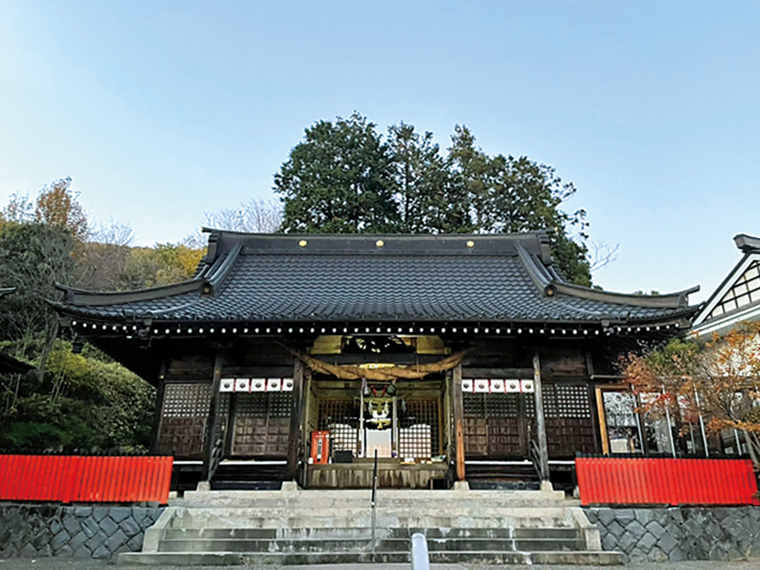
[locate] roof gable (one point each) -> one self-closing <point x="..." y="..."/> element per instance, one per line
<point x="743" y="292"/>
<point x="737" y="298"/>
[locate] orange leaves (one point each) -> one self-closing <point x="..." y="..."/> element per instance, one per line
<point x="719" y="380"/>
<point x="57" y="206"/>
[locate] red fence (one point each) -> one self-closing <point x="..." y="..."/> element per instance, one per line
<point x="76" y="479"/>
<point x="661" y="481"/>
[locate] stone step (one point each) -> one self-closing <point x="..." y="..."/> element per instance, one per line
<point x="537" y="532"/>
<point x="268" y="545"/>
<point x="383" y="521"/>
<point x="261" y="558"/>
<point x="392" y="497"/>
<point x="432" y="506"/>
<point x="286" y="559"/>
<point x="350" y="545"/>
<point x="449" y="510"/>
<point x="361" y="532"/>
<point x="517" y="516"/>
<point x="491" y="545"/>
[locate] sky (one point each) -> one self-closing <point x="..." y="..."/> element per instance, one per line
<point x="162" y="111"/>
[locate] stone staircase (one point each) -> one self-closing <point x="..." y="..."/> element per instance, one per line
<point x="293" y="527"/>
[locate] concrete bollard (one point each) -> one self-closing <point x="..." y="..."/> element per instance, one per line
<point x="420" y="558"/>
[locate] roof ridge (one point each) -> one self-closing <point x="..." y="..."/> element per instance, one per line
<point x="747" y="243"/>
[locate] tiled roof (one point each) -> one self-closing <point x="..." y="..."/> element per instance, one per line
<point x="251" y="278"/>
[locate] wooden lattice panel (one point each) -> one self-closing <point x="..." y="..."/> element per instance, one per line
<point x="184" y="415"/>
<point x="419" y="429"/>
<point x="492" y="424"/>
<point x="504" y="438"/>
<point x="475" y="436"/>
<point x="262" y="424"/>
<point x="341" y="418"/>
<point x="569" y="426"/>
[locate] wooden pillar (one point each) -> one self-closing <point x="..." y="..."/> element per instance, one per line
<point x="543" y="449"/>
<point x="158" y="414"/>
<point x="213" y="414"/>
<point x="456" y="393"/>
<point x="294" y="436"/>
<point x="306" y="409"/>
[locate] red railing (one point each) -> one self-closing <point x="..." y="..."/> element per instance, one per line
<point x="85" y="479"/>
<point x="662" y="481"/>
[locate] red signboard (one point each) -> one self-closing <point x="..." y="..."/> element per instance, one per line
<point x="320" y="446"/>
<point x="85" y="479"/>
<point x="662" y="481"/>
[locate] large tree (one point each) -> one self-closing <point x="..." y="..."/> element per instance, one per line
<point x="346" y="178"/>
<point x="33" y="257"/>
<point x="421" y="183"/>
<point x="338" y="180"/>
<point x="507" y="194"/>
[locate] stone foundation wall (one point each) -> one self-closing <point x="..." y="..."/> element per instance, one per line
<point x="679" y="533"/>
<point x="29" y="531"/>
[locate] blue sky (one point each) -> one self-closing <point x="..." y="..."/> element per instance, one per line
<point x="161" y="111"/>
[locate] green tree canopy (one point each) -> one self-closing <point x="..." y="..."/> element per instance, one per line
<point x="344" y="177"/>
<point x="338" y="180"/>
<point x="74" y="402"/>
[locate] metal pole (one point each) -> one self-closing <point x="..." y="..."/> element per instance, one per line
<point x="638" y="424"/>
<point x="420" y="558"/>
<point x="702" y="424"/>
<point x="670" y="429"/>
<point x="738" y="443"/>
<point x="360" y="430"/>
<point x="374" y="503"/>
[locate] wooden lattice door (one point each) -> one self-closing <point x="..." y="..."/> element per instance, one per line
<point x="497" y="425"/>
<point x="184" y="415"/>
<point x="261" y="424"/>
<point x="569" y="425"/>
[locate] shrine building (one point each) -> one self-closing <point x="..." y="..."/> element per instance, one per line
<point x="451" y="358"/>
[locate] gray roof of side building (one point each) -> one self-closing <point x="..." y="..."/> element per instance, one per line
<point x="372" y="278"/>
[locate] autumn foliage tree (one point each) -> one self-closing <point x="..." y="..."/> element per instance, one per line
<point x="72" y="402"/>
<point x="57" y="206"/>
<point x="719" y="380"/>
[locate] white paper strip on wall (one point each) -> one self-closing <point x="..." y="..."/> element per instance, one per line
<point x="287" y="384"/>
<point x="258" y="384"/>
<point x="497" y="386"/>
<point x="527" y="386"/>
<point x="481" y="385"/>
<point x="512" y="386"/>
<point x="227" y="385"/>
<point x="242" y="385"/>
<point x="467" y="385"/>
<point x="274" y="384"/>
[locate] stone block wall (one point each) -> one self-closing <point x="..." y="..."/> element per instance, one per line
<point x="37" y="530"/>
<point x="679" y="533"/>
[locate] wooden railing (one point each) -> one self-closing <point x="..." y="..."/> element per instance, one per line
<point x="665" y="481"/>
<point x="85" y="479"/>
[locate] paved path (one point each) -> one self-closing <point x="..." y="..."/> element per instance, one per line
<point x="68" y="564"/>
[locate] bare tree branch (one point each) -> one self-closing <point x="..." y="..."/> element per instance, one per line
<point x="601" y="255"/>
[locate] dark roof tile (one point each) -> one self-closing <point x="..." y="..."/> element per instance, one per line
<point x="428" y="280"/>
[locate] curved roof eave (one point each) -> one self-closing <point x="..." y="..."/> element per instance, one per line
<point x="206" y="280"/>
